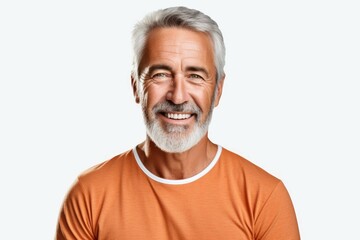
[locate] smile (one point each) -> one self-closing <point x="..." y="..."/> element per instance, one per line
<point x="177" y="116"/>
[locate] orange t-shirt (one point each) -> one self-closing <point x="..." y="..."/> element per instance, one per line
<point x="230" y="199"/>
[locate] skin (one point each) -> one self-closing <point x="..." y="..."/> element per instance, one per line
<point x="178" y="66"/>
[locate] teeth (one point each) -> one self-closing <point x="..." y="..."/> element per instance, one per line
<point x="177" y="115"/>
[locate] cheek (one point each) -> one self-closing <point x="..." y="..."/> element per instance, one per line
<point x="203" y="98"/>
<point x="154" y="94"/>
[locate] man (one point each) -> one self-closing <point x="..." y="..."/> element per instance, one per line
<point x="177" y="184"/>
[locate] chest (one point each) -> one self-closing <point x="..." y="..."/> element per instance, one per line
<point x="158" y="211"/>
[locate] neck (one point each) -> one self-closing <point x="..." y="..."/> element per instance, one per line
<point x="177" y="165"/>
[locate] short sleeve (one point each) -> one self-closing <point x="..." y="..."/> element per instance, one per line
<point x="74" y="220"/>
<point x="277" y="218"/>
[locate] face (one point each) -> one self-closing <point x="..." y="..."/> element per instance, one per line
<point x="177" y="88"/>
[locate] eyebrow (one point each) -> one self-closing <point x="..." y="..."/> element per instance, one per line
<point x="159" y="67"/>
<point x="187" y="69"/>
<point x="197" y="69"/>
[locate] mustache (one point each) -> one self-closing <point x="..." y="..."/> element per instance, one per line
<point x="168" y="106"/>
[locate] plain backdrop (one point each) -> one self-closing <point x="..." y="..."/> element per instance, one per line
<point x="290" y="102"/>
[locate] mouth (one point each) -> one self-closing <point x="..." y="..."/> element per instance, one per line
<point x="177" y="116"/>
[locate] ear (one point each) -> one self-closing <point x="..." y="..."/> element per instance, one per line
<point x="135" y="90"/>
<point x="219" y="89"/>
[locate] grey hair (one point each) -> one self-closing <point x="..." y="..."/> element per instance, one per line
<point x="178" y="17"/>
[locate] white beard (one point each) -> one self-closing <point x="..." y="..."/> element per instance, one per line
<point x="176" y="138"/>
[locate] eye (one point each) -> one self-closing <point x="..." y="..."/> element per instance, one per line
<point x="195" y="77"/>
<point x="161" y="76"/>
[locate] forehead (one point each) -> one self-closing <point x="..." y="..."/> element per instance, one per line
<point x="178" y="44"/>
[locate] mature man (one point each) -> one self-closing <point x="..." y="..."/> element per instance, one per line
<point x="177" y="184"/>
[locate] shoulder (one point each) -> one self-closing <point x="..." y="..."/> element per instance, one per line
<point x="246" y="171"/>
<point x="262" y="191"/>
<point x="106" y="171"/>
<point x="102" y="180"/>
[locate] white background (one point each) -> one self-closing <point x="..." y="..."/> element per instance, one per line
<point x="290" y="102"/>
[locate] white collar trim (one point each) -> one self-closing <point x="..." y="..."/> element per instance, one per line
<point x="180" y="181"/>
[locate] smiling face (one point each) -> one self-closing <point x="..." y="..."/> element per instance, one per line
<point x="177" y="87"/>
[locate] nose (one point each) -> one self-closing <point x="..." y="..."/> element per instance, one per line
<point x="178" y="92"/>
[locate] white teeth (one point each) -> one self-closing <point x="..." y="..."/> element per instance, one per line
<point x="177" y="115"/>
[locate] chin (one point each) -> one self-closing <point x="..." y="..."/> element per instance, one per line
<point x="175" y="141"/>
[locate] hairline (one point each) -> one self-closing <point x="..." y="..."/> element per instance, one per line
<point x="157" y="20"/>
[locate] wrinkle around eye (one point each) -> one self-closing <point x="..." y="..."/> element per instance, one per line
<point x="196" y="79"/>
<point x="195" y="76"/>
<point x="161" y="77"/>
